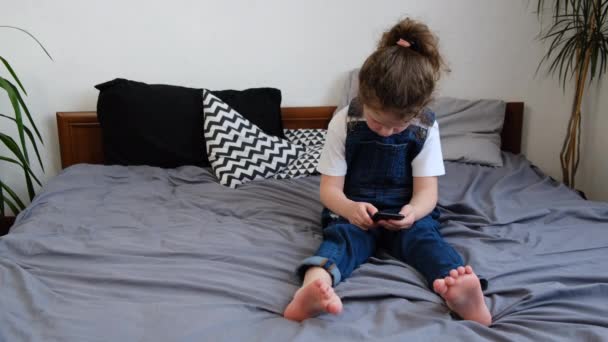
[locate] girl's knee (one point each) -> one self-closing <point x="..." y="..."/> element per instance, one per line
<point x="421" y="232"/>
<point x="425" y="225"/>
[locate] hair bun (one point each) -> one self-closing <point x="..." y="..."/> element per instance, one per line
<point x="420" y="38"/>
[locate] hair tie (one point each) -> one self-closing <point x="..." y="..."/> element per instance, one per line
<point x="404" y="43"/>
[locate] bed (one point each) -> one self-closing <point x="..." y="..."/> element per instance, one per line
<point x="123" y="253"/>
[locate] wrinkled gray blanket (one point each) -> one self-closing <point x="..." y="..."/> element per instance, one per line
<point x="109" y="253"/>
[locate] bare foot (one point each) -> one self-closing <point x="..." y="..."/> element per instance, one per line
<point x="462" y="293"/>
<point x="311" y="300"/>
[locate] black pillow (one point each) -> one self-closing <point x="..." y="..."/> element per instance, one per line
<point x="162" y="125"/>
<point x="261" y="106"/>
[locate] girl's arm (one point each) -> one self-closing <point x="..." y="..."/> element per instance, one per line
<point x="424" y="200"/>
<point x="332" y="196"/>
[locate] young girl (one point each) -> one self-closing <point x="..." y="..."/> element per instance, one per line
<point x="383" y="154"/>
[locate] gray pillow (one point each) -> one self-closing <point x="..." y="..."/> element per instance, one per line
<point x="351" y="89"/>
<point x="470" y="129"/>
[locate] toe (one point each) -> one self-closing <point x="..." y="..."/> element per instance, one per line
<point x="334" y="308"/>
<point x="439" y="286"/>
<point x="322" y="285"/>
<point x="461" y="270"/>
<point x="454" y="274"/>
<point x="449" y="281"/>
<point x="468" y="269"/>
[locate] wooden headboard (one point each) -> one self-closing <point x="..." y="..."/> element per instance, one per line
<point x="80" y="139"/>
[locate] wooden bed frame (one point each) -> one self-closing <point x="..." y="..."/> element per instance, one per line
<point x="80" y="138"/>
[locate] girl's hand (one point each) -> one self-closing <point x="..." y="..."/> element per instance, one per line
<point x="360" y="215"/>
<point x="410" y="217"/>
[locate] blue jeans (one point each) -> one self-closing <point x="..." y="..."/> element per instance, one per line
<point x="346" y="246"/>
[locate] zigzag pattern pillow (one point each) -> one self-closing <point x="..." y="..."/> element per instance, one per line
<point x="239" y="152"/>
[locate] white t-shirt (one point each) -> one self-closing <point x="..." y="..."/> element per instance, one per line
<point x="428" y="163"/>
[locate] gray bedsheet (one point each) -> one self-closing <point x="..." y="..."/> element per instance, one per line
<point x="108" y="253"/>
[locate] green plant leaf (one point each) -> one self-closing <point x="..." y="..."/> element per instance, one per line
<point x="12" y="72"/>
<point x="597" y="41"/>
<point x="3" y="187"/>
<point x="593" y="64"/>
<point x="31" y="35"/>
<point x="1" y="200"/>
<point x="10" y="204"/>
<point x="604" y="53"/>
<point x="16" y="198"/>
<point x="31" y="137"/>
<point x="11" y="160"/>
<point x="561" y="45"/>
<point x="570" y="56"/>
<point x="10" y="143"/>
<point x="578" y="27"/>
<point x="6" y="85"/>
<point x="27" y="112"/>
<point x="21" y="153"/>
<point x="28" y="173"/>
<point x="14" y="148"/>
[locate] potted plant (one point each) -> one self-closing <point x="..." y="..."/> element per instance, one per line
<point x="16" y="147"/>
<point x="578" y="49"/>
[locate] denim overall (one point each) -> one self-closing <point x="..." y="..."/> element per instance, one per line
<point x="379" y="172"/>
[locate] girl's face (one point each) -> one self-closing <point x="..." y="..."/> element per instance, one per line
<point x="383" y="123"/>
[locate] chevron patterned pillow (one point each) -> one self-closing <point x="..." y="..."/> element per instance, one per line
<point x="239" y="152"/>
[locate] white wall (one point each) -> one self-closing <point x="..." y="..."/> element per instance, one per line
<point x="302" y="47"/>
<point x="593" y="173"/>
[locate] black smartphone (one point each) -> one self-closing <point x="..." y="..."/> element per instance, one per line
<point x="382" y="215"/>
